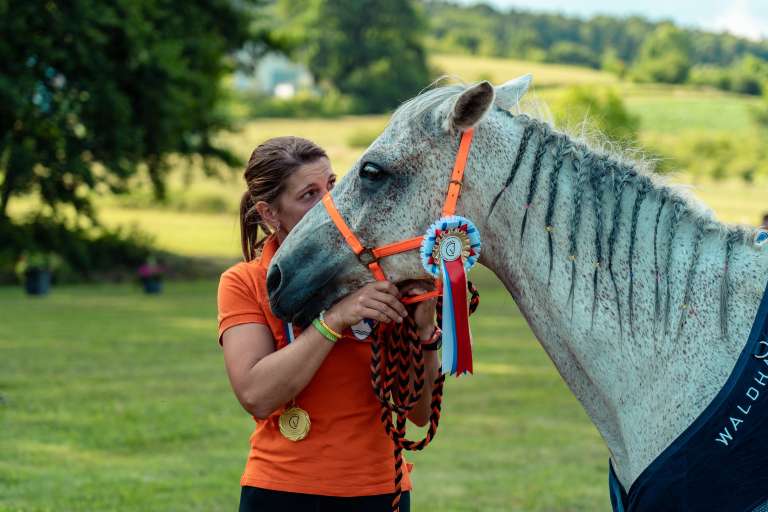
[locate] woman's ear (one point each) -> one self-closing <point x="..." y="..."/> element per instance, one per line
<point x="470" y="107"/>
<point x="267" y="214"/>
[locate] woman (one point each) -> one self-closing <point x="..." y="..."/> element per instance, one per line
<point x="318" y="443"/>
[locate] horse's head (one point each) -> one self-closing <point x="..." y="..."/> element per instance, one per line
<point x="393" y="192"/>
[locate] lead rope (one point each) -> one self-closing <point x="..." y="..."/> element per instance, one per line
<point x="394" y="350"/>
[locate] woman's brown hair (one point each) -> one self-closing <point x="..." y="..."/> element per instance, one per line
<point x="270" y="165"/>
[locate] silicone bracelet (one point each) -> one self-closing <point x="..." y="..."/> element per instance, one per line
<point x="325" y="324"/>
<point x="327" y="334"/>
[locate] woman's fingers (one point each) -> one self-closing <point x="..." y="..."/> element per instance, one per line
<point x="386" y="287"/>
<point x="374" y="314"/>
<point x="374" y="302"/>
<point x="393" y="302"/>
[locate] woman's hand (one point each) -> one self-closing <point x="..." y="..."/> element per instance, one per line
<point x="424" y="313"/>
<point x="378" y="301"/>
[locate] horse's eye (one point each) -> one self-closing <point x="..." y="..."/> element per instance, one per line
<point x="372" y="171"/>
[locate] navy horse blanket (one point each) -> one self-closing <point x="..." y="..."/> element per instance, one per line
<point x="720" y="463"/>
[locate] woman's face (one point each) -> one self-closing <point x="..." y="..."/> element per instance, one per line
<point x="303" y="189"/>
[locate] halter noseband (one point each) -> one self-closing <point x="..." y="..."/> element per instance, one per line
<point x="370" y="256"/>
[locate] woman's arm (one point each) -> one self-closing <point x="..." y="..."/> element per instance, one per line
<point x="264" y="379"/>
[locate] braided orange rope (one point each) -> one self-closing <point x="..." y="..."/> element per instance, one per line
<point x="395" y="349"/>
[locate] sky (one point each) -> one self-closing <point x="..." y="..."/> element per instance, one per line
<point x="747" y="18"/>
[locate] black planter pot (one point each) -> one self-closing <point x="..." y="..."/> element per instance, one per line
<point x="152" y="284"/>
<point x="37" y="281"/>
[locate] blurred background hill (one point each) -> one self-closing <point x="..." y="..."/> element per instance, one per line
<point x="128" y="125"/>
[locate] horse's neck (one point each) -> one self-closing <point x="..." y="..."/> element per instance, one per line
<point x="643" y="379"/>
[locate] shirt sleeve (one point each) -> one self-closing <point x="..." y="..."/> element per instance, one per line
<point x="237" y="301"/>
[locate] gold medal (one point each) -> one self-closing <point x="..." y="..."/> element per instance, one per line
<point x="294" y="423"/>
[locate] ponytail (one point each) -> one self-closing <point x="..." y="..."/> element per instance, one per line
<point x="250" y="222"/>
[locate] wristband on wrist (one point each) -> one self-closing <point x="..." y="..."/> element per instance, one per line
<point x="327" y="332"/>
<point x="435" y="342"/>
<point x="322" y="330"/>
<point x="321" y="317"/>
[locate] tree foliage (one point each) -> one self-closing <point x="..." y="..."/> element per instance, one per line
<point x="370" y="50"/>
<point x="749" y="75"/>
<point x="91" y="91"/>
<point x="664" y="57"/>
<point x="615" y="43"/>
<point x="760" y="115"/>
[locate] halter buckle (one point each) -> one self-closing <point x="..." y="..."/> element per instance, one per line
<point x="366" y="257"/>
<point x="460" y="183"/>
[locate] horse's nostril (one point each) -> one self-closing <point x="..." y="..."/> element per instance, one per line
<point x="274" y="278"/>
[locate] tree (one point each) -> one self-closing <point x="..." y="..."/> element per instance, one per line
<point x="664" y="57"/>
<point x="612" y="63"/>
<point x="749" y="75"/>
<point x="572" y="53"/>
<point x="760" y="114"/>
<point x="92" y="91"/>
<point x="370" y="50"/>
<point x="518" y="33"/>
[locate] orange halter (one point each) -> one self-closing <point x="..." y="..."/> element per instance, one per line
<point x="370" y="256"/>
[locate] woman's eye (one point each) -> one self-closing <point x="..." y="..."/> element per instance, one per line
<point x="308" y="194"/>
<point x="372" y="171"/>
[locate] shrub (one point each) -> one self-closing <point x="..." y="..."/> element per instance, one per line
<point x="86" y="254"/>
<point x="746" y="76"/>
<point x="303" y="104"/>
<point x="601" y="109"/>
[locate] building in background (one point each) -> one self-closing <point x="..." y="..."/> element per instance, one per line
<point x="277" y="76"/>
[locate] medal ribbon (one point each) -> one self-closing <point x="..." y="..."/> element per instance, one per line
<point x="288" y="329"/>
<point x="457" y="338"/>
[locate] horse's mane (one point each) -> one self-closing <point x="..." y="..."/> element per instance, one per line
<point x="605" y="170"/>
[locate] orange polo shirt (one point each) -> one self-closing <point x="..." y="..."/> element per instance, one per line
<point x="347" y="452"/>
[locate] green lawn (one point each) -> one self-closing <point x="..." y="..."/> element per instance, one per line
<point x="114" y="400"/>
<point x="670" y="110"/>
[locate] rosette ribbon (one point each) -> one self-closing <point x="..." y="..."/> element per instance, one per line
<point x="450" y="248"/>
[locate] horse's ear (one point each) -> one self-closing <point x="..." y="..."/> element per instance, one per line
<point x="509" y="94"/>
<point x="470" y="107"/>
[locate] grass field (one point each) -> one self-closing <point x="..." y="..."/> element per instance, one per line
<point x="113" y="400"/>
<point x="470" y="68"/>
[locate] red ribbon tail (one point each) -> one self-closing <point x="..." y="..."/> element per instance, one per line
<point x="458" y="279"/>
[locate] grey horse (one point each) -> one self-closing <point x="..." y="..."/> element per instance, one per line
<point x="641" y="298"/>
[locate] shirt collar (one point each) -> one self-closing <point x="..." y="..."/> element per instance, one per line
<point x="268" y="250"/>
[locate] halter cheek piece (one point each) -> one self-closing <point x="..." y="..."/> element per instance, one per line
<point x="370" y="256"/>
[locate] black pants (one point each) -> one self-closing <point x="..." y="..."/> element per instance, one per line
<point x="256" y="499"/>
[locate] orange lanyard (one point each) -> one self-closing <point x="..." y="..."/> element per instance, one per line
<point x="370" y="256"/>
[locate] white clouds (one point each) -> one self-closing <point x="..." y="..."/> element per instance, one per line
<point x="739" y="17"/>
<point x="747" y="18"/>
